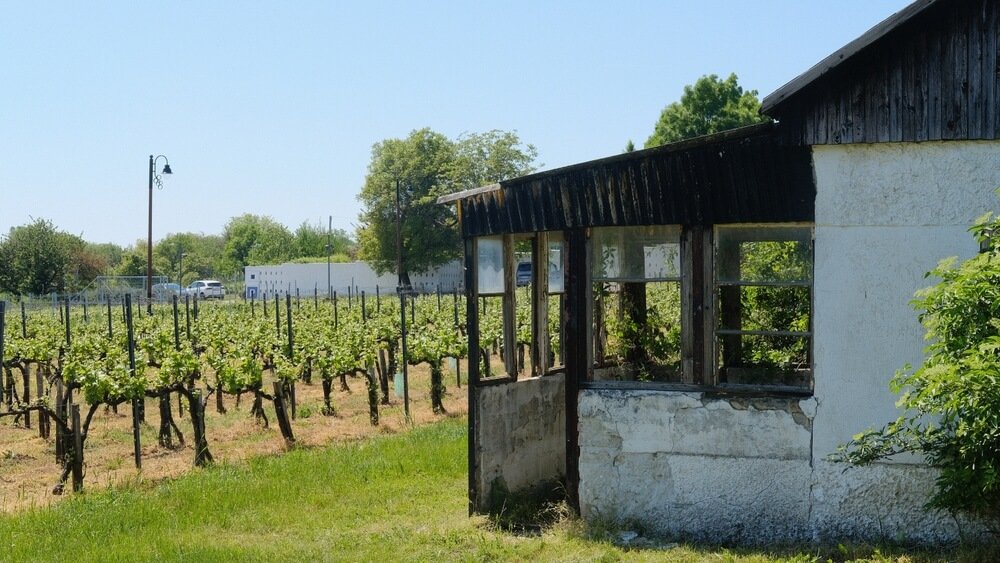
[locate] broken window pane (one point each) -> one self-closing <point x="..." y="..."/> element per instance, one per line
<point x="764" y="305"/>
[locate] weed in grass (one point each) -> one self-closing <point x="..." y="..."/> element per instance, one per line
<point x="116" y="462"/>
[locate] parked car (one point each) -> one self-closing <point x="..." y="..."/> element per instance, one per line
<point x="206" y="289"/>
<point x="165" y="291"/>
<point x="523" y="273"/>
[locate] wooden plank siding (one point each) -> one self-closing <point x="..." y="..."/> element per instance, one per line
<point x="936" y="76"/>
<point x="743" y="177"/>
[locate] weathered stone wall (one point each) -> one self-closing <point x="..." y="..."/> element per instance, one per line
<point x="687" y="465"/>
<point x="746" y="471"/>
<point x="521" y="438"/>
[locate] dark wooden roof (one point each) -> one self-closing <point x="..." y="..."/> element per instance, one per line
<point x="929" y="72"/>
<point x="745" y="175"/>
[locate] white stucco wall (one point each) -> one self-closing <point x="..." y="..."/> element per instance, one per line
<point x="686" y="465"/>
<point x="885" y="215"/>
<point x="722" y="470"/>
<point x="521" y="437"/>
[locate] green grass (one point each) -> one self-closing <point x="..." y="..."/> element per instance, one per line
<point x="388" y="498"/>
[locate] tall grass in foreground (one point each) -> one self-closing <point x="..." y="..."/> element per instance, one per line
<point x="389" y="498"/>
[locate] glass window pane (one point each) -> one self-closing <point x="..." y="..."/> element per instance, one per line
<point x="557" y="270"/>
<point x="490" y="260"/>
<point x="764" y="254"/>
<point x="636" y="253"/>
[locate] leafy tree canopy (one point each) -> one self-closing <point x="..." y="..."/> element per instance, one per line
<point x="709" y="106"/>
<point x="426" y="165"/>
<point x="37" y="258"/>
<point x="255" y="239"/>
<point x="200" y="256"/>
<point x="311" y="241"/>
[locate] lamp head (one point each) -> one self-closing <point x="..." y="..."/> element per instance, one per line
<point x="166" y="169"/>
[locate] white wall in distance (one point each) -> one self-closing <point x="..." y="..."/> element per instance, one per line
<point x="307" y="278"/>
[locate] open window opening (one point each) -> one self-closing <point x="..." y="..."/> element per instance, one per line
<point x="520" y="291"/>
<point x="637" y="305"/>
<point x="763" y="288"/>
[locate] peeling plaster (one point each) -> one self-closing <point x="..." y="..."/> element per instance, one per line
<point x="754" y="470"/>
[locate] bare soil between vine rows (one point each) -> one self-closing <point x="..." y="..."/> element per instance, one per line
<point x="28" y="470"/>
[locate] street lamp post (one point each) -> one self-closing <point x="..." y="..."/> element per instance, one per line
<point x="153" y="177"/>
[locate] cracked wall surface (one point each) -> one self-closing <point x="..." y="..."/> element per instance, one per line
<point x="682" y="464"/>
<point x="756" y="471"/>
<point x="521" y="434"/>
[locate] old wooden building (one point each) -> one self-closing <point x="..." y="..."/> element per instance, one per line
<point x="710" y="319"/>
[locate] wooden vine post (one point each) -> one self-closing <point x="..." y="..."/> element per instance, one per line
<point x="177" y="346"/>
<point x="76" y="457"/>
<point x="136" y="439"/>
<point x="282" y="415"/>
<point x="291" y="345"/>
<point x="371" y="380"/>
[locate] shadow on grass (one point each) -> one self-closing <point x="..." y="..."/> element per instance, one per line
<point x="528" y="511"/>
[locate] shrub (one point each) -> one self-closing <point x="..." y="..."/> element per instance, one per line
<point x="952" y="401"/>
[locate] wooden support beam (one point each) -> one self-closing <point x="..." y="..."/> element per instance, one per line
<point x="578" y="354"/>
<point x="509" y="307"/>
<point x="472" y="330"/>
<point x="540" y="344"/>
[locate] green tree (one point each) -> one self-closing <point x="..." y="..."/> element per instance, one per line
<point x="36" y="258"/>
<point x="709" y="106"/>
<point x="109" y="252"/>
<point x="199" y="255"/>
<point x="952" y="402"/>
<point x="255" y="239"/>
<point x="427" y="165"/>
<point x="311" y="241"/>
<point x="133" y="261"/>
<point x="485" y="158"/>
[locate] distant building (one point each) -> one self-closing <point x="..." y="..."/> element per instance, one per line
<point x="355" y="277"/>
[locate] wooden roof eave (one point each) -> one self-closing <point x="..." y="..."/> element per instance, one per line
<point x="704" y="140"/>
<point x="841" y="56"/>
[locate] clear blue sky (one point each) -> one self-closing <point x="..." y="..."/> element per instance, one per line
<point x="272" y="107"/>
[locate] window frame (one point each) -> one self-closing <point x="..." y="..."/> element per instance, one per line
<point x="714" y="326"/>
<point x="699" y="343"/>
